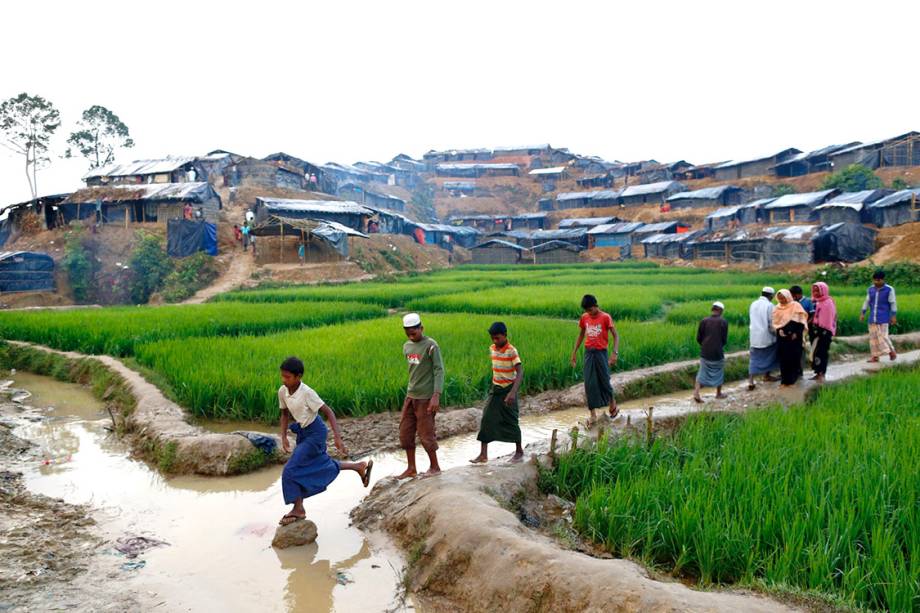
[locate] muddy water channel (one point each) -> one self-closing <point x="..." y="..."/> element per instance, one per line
<point x="218" y="531"/>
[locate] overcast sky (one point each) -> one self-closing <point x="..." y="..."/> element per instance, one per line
<point x="348" y="81"/>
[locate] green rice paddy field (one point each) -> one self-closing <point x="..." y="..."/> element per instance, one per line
<point x="221" y="358"/>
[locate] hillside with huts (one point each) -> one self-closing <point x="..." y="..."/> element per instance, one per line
<point x="504" y="205"/>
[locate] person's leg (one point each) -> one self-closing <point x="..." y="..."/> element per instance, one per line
<point x="407" y="428"/>
<point x="483" y="456"/>
<point x="875" y="344"/>
<point x="358" y="467"/>
<point x="719" y="393"/>
<point x="427" y="435"/>
<point x="696" y="391"/>
<point x="593" y="418"/>
<point x="613" y="410"/>
<point x="889" y="346"/>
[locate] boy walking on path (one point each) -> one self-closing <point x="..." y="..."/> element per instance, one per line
<point x="712" y="335"/>
<point x="309" y="470"/>
<point x="423" y="395"/>
<point x="883" y="310"/>
<point x="500" y="417"/>
<point x="595" y="326"/>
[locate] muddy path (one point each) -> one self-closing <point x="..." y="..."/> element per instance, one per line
<point x="238" y="273"/>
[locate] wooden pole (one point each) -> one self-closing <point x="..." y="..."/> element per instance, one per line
<point x="126" y="217"/>
<point x="552" y="446"/>
<point x="281" y="250"/>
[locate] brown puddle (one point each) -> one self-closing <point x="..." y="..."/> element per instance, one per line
<point x="219" y="529"/>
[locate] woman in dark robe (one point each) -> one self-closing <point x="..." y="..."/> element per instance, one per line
<point x="789" y="321"/>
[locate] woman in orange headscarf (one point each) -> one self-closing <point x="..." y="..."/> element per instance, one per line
<point x="789" y="321"/>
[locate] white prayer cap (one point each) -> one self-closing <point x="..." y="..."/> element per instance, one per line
<point x="411" y="320"/>
<point x="768" y="290"/>
<point x="718" y="305"/>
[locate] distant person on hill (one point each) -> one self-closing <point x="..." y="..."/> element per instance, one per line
<point x="245" y="232"/>
<point x="500" y="417"/>
<point x="883" y="310"/>
<point x="789" y="321"/>
<point x="302" y="253"/>
<point x="187" y="212"/>
<point x="237" y="233"/>
<point x="712" y="336"/>
<point x="595" y="327"/>
<point x="762" y="338"/>
<point x="824" y="327"/>
<point x="309" y="470"/>
<point x="423" y="395"/>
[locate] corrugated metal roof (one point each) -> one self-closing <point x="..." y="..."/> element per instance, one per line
<point x="138" y="167"/>
<point x="658" y="227"/>
<point x="670" y="238"/>
<point x="196" y="190"/>
<point x="874" y="143"/>
<point x="708" y="193"/>
<point x="585" y="222"/>
<point x="649" y="188"/>
<point x="804" y="157"/>
<point x="896" y="198"/>
<point x="562" y="196"/>
<point x="607" y="194"/>
<point x="747" y="233"/>
<point x="315" y="206"/>
<point x="625" y="227"/>
<point x="806" y="199"/>
<point x="476" y="165"/>
<point x="728" y="211"/>
<point x="555" y="170"/>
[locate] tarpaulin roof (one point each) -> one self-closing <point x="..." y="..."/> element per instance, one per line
<point x="806" y="199"/>
<point x="556" y="244"/>
<point x="756" y="204"/>
<point x="896" y="198"/>
<point x="804" y="157"/>
<point x="853" y="200"/>
<point x="708" y="193"/>
<point x="437" y="227"/>
<point x="138" y="167"/>
<point x="575" y="222"/>
<point x="335" y="234"/>
<point x="516" y="234"/>
<point x="372" y="192"/>
<point x="523" y="147"/>
<point x="625" y="227"/>
<point x="607" y="194"/>
<point x="731" y="163"/>
<point x="459" y="185"/>
<point x="670" y="238"/>
<point x="495" y="242"/>
<point x="456" y="151"/>
<point x="649" y="188"/>
<point x="728" y="211"/>
<point x="570" y="233"/>
<point x="875" y="143"/>
<point x="663" y="226"/>
<point x="575" y="195"/>
<point x="555" y="170"/>
<point x="318" y="206"/>
<point x="787" y="233"/>
<point x="196" y="191"/>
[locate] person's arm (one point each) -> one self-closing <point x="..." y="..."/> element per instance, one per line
<point x="724" y="333"/>
<point x="285" y="416"/>
<point x="437" y="365"/>
<point x="770" y="319"/>
<point x="581" y="337"/>
<point x="329" y="414"/>
<point x="894" y="307"/>
<point x="518" y="378"/>
<point x="616" y="344"/>
<point x="699" y="333"/>
<point x="865" y="307"/>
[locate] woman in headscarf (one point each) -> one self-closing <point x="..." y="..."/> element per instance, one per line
<point x="824" y="326"/>
<point x="789" y="321"/>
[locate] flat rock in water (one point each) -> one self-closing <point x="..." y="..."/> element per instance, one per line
<point x="300" y="532"/>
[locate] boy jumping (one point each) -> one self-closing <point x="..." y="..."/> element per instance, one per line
<point x="423" y="395"/>
<point x="595" y="326"/>
<point x="309" y="470"/>
<point x="500" y="417"/>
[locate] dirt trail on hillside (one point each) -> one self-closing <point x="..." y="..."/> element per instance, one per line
<point x="237" y="274"/>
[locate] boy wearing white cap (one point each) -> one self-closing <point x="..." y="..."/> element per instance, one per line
<point x="712" y="335"/>
<point x="423" y="395"/>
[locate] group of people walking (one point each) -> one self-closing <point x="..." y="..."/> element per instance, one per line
<point x="795" y="330"/>
<point x="779" y="334"/>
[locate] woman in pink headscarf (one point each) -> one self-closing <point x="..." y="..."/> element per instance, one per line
<point x="825" y="327"/>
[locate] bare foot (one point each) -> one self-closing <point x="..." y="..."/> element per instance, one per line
<point x="479" y="460"/>
<point x="872" y="359"/>
<point x="432" y="472"/>
<point x="892" y="356"/>
<point x="517" y="458"/>
<point x="697" y="399"/>
<point x="407" y="474"/>
<point x="751" y="387"/>
<point x="721" y="396"/>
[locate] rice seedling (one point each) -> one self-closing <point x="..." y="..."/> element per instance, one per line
<point x="116" y="331"/>
<point x="358" y="367"/>
<point x="821" y="497"/>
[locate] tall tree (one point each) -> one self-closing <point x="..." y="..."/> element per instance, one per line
<point x="100" y="133"/>
<point x="27" y="124"/>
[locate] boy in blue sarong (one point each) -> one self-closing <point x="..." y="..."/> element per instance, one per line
<point x="310" y="470"/>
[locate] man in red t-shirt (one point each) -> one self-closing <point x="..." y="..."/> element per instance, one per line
<point x="595" y="326"/>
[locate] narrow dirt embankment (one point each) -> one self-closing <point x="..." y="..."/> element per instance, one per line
<point x="469" y="550"/>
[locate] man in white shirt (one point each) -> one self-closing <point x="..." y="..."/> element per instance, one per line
<point x="309" y="470"/>
<point x="762" y="338"/>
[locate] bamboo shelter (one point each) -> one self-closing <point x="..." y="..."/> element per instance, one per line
<point x="278" y="240"/>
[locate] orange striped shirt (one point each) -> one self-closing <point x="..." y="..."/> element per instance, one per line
<point x="503" y="362"/>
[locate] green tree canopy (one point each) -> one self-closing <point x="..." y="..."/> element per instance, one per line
<point x="27" y="124"/>
<point x="853" y="178"/>
<point x="100" y="133"/>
